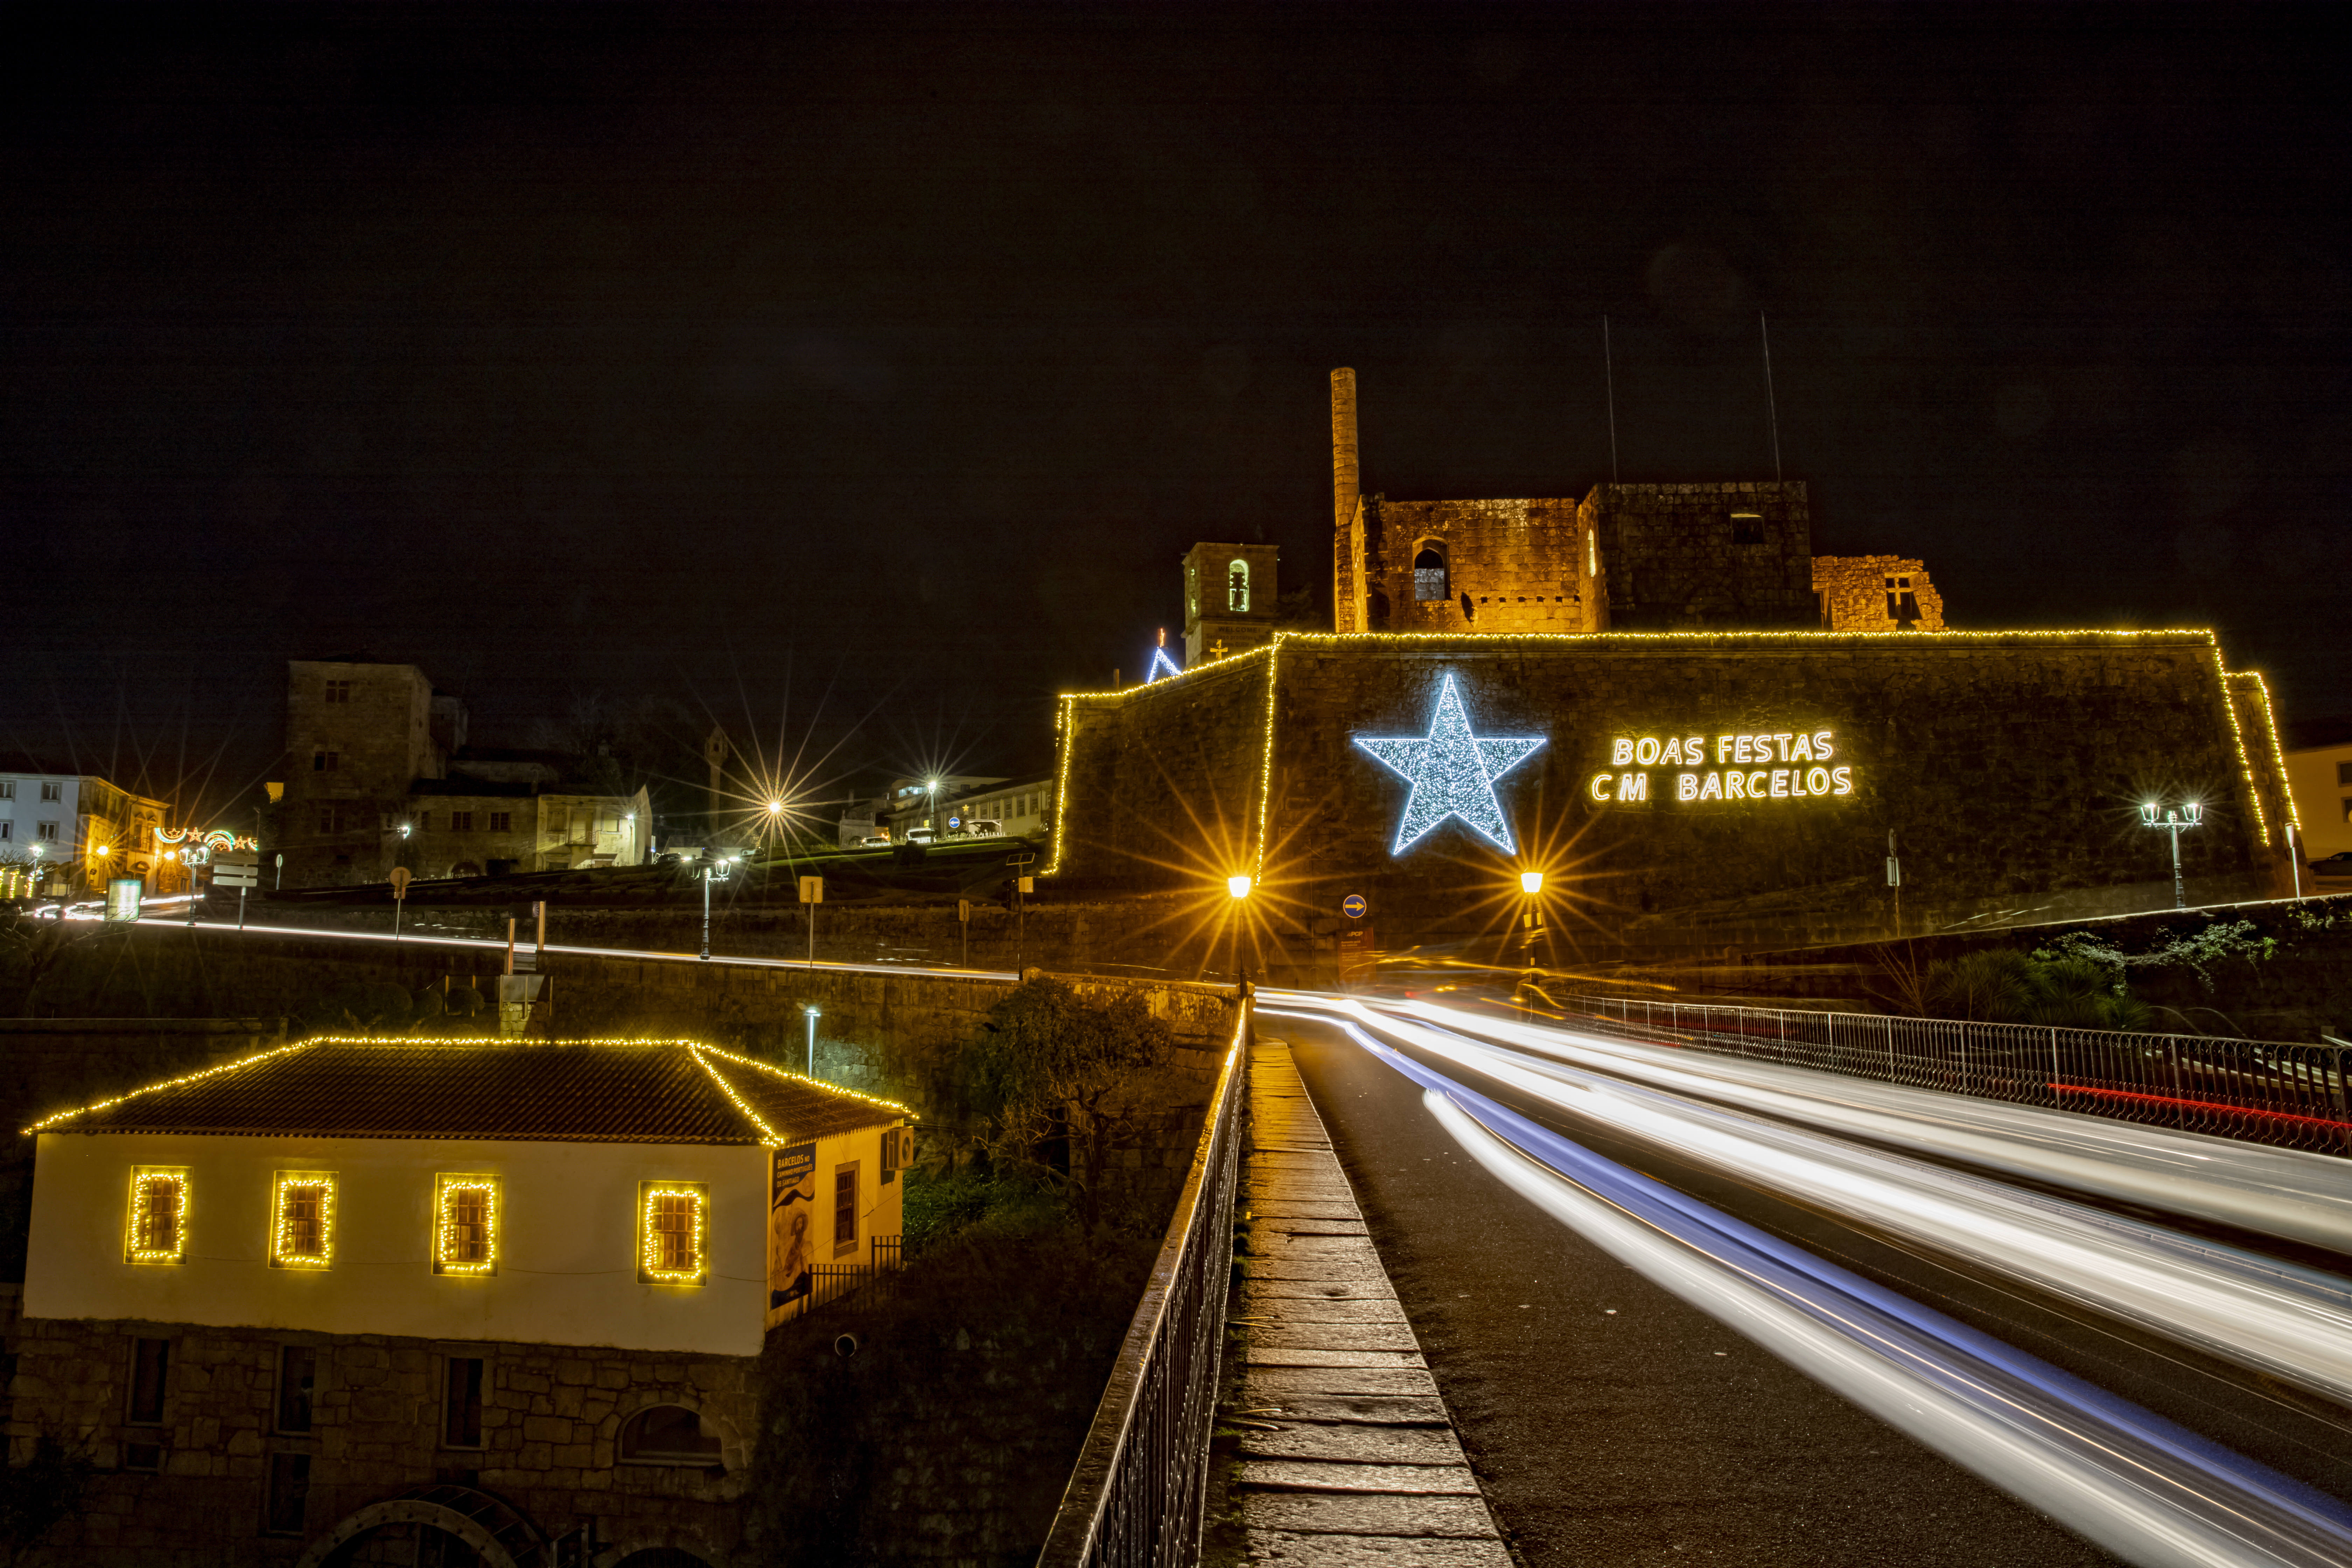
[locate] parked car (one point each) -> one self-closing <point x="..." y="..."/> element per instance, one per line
<point x="871" y="841"/>
<point x="2337" y="865"/>
<point x="920" y="835"/>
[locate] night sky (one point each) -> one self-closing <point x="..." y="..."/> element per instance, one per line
<point x="860" y="374"/>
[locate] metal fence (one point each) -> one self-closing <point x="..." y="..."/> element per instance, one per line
<point x="878" y="1279"/>
<point x="1135" y="1499"/>
<point x="2259" y="1091"/>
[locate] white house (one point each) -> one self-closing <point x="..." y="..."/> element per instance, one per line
<point x="323" y="1277"/>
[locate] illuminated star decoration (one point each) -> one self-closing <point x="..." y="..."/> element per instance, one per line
<point x="1453" y="773"/>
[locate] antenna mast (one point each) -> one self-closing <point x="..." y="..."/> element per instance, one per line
<point x="1609" y="369"/>
<point x="1772" y="407"/>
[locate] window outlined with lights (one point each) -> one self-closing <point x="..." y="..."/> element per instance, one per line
<point x="673" y="1233"/>
<point x="157" y="1228"/>
<point x="302" y="1220"/>
<point x="1237" y="586"/>
<point x="465" y="1225"/>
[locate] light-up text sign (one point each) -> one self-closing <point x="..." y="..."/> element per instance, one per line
<point x="1775" y="766"/>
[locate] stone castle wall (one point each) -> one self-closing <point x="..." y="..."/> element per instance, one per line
<point x="1676" y="557"/>
<point x="1515" y="561"/>
<point x="551" y="1418"/>
<point x="1852" y="592"/>
<point x="2010" y="766"/>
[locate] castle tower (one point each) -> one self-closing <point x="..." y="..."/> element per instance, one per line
<point x="1229" y="600"/>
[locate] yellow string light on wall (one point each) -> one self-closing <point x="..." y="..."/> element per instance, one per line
<point x="1265" y="762"/>
<point x="158" y="1229"/>
<point x="652" y="1266"/>
<point x="455" y="1251"/>
<point x="303" y="1220"/>
<point x="2278" y="756"/>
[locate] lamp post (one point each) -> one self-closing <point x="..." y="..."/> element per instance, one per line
<point x="710" y="871"/>
<point x="1237" y="887"/>
<point x="814" y="1012"/>
<point x="2190" y="814"/>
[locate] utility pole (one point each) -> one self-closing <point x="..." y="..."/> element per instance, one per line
<point x="1894" y="880"/>
<point x="811" y="895"/>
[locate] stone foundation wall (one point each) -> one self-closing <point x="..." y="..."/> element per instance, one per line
<point x="550" y="1420"/>
<point x="2010" y="767"/>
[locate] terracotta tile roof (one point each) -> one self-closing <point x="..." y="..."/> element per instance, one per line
<point x="578" y="1091"/>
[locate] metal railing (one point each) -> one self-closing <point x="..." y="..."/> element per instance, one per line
<point x="1135" y="1499"/>
<point x="2258" y="1091"/>
<point x="830" y="1282"/>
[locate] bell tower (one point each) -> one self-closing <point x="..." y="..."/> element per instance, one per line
<point x="1229" y="600"/>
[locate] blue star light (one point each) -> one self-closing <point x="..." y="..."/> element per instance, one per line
<point x="1453" y="773"/>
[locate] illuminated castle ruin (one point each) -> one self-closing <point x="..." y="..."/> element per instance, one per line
<point x="1732" y="556"/>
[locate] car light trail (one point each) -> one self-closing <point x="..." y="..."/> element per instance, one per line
<point x="2126" y="1478"/>
<point x="2284" y="1193"/>
<point x="2275" y="1319"/>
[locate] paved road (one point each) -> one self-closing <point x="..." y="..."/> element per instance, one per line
<point x="1610" y="1423"/>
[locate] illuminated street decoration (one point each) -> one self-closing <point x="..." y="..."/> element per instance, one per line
<point x="465" y="1225"/>
<point x="1453" y="773"/>
<point x="158" y="1231"/>
<point x="670" y="1225"/>
<point x="1720" y="783"/>
<point x="303" y="1220"/>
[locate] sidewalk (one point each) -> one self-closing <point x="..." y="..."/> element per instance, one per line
<point x="1348" y="1457"/>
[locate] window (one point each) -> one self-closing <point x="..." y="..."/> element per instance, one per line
<point x="51" y="791"/>
<point x="303" y="1220"/>
<point x="339" y="691"/>
<point x="466" y="1228"/>
<point x="333" y="819"/>
<point x="46" y="832"/>
<point x="844" y="1209"/>
<point x="672" y="1225"/>
<point x="1902" y="605"/>
<point x="1237" y="586"/>
<point x="159" y="1214"/>
<point x="151" y="1376"/>
<point x="297" y="1377"/>
<point x="461" y="1406"/>
<point x="2348" y="810"/>
<point x="326" y="762"/>
<point x="8" y="830"/>
<point x="461" y="821"/>
<point x="668" y="1434"/>
<point x="1746" y="528"/>
<point x="1429" y="575"/>
<point x="2344" y="773"/>
<point x="423" y="822"/>
<point x="7" y="789"/>
<point x="290" y="1489"/>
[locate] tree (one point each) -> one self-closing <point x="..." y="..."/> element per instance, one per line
<point x="1052" y="1067"/>
<point x="36" y="1496"/>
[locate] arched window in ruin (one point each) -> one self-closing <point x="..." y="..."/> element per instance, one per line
<point x="1429" y="571"/>
<point x="668" y="1434"/>
<point x="1237" y="585"/>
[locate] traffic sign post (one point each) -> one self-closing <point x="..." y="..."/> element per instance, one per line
<point x="811" y="895"/>
<point x="963" y="919"/>
<point x="1353" y="905"/>
<point x="1023" y="886"/>
<point x="238" y="868"/>
<point x="399" y="898"/>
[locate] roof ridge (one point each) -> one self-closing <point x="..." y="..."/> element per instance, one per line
<point x="767" y="1133"/>
<point x="789" y="1075"/>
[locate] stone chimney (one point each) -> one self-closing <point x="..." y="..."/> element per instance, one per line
<point x="1347" y="543"/>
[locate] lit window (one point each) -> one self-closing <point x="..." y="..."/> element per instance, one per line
<point x="303" y="1220"/>
<point x="672" y="1224"/>
<point x="465" y="1225"/>
<point x="158" y="1215"/>
<point x="1237" y="586"/>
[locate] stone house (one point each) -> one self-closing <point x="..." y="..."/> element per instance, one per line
<point x="403" y="1301"/>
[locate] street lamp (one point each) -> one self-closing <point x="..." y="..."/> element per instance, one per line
<point x="1239" y="887"/>
<point x="1531" y="883"/>
<point x="814" y="1012"/>
<point x="2190" y="814"/>
<point x="711" y="871"/>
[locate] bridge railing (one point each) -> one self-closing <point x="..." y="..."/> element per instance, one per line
<point x="1135" y="1499"/>
<point x="2259" y="1091"/>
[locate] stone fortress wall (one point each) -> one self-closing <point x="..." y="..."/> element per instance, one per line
<point x="2009" y="764"/>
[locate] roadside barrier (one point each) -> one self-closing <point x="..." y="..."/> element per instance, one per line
<point x="2258" y="1091"/>
<point x="1135" y="1499"/>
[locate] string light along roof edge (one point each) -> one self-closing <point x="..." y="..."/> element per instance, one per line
<point x="756" y="1125"/>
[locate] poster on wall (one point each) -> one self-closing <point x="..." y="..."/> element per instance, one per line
<point x="792" y="1228"/>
